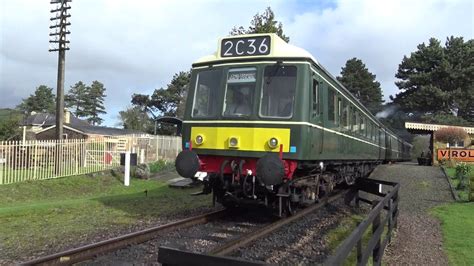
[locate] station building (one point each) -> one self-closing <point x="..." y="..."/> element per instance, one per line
<point x="462" y="151"/>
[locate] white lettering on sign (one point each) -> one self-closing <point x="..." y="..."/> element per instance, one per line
<point x="237" y="77"/>
<point x="233" y="47"/>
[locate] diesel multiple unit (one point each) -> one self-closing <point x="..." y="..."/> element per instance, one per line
<point x="266" y="123"/>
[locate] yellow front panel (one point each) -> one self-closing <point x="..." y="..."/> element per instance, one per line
<point x="250" y="139"/>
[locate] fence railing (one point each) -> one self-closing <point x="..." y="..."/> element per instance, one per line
<point x="45" y="159"/>
<point x="380" y="222"/>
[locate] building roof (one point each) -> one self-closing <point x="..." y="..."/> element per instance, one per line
<point x="106" y="131"/>
<point x="433" y="127"/>
<point x="46" y="120"/>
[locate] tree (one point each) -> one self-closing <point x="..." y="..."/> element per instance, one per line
<point x="170" y="101"/>
<point x="9" y="128"/>
<point x="135" y="118"/>
<point x="262" y="23"/>
<point x="9" y="124"/>
<point x="42" y="101"/>
<point x="166" y="102"/>
<point x="94" y="104"/>
<point x="438" y="80"/>
<point x="76" y="98"/>
<point x="362" y="84"/>
<point x="450" y="134"/>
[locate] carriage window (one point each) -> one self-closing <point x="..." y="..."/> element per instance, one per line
<point x="239" y="92"/>
<point x="345" y="116"/>
<point x="315" y="97"/>
<point x="367" y="130"/>
<point x="278" y="93"/>
<point x="339" y="110"/>
<point x="362" y="126"/>
<point x="355" y="121"/>
<point x="331" y="105"/>
<point x="207" y="86"/>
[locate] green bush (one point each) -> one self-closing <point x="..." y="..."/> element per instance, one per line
<point x="160" y="165"/>
<point x="462" y="171"/>
<point x="471" y="189"/>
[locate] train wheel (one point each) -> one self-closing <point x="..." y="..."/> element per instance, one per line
<point x="290" y="207"/>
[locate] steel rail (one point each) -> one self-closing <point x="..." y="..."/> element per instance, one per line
<point x="245" y="239"/>
<point x="89" y="251"/>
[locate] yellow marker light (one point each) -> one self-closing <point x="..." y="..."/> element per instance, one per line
<point x="233" y="142"/>
<point x="273" y="143"/>
<point x="199" y="139"/>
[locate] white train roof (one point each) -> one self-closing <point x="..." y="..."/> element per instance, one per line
<point x="279" y="49"/>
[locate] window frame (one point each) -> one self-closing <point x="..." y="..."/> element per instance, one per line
<point x="195" y="92"/>
<point x="224" y="105"/>
<point x="263" y="81"/>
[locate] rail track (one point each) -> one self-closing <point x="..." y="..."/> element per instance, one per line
<point x="215" y="226"/>
<point x="171" y="256"/>
<point x="89" y="251"/>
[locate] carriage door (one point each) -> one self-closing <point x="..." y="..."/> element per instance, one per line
<point x="316" y="113"/>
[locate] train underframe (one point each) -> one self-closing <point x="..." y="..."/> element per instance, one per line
<point x="281" y="188"/>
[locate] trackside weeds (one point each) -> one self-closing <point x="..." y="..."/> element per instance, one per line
<point x="48" y="216"/>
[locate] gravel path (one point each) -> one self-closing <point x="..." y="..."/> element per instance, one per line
<point x="418" y="239"/>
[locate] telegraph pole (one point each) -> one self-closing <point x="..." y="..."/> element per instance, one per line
<point x="60" y="44"/>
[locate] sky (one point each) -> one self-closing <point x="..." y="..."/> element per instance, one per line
<point x="137" y="46"/>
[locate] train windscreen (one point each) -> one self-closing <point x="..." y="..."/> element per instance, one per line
<point x="239" y="92"/>
<point x="278" y="93"/>
<point x="206" y="91"/>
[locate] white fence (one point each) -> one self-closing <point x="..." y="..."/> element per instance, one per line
<point x="35" y="160"/>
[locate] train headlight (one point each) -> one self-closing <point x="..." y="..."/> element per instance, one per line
<point x="199" y="139"/>
<point x="273" y="143"/>
<point x="233" y="142"/>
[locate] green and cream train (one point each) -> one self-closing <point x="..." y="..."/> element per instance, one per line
<point x="266" y="123"/>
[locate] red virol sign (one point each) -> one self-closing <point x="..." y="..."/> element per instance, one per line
<point x="466" y="155"/>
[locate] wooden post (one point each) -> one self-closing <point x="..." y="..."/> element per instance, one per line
<point x="35" y="159"/>
<point x="357" y="201"/>
<point x="359" y="246"/>
<point x="376" y="254"/>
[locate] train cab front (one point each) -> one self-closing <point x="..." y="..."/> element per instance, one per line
<point x="242" y="133"/>
<point x="235" y="173"/>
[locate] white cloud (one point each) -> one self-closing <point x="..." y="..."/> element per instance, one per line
<point x="137" y="46"/>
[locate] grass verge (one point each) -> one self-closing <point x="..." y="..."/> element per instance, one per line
<point x="336" y="236"/>
<point x="463" y="194"/>
<point x="457" y="223"/>
<point x="49" y="214"/>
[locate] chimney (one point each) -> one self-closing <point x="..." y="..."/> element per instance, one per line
<point x="67" y="116"/>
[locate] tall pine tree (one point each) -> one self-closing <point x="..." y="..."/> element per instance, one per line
<point x="362" y="84"/>
<point x="94" y="104"/>
<point x="76" y="99"/>
<point x="42" y="101"/>
<point x="437" y="81"/>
